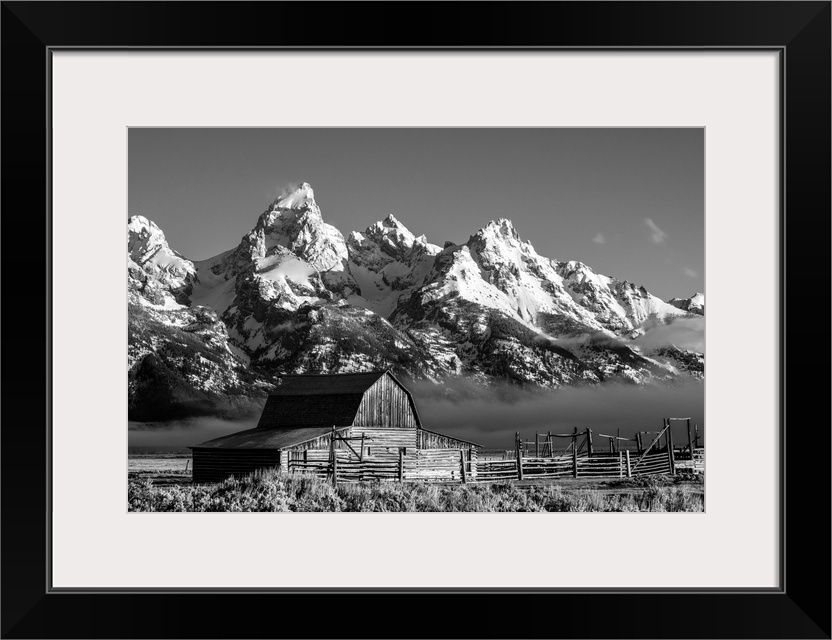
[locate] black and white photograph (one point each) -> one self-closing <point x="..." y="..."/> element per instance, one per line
<point x="416" y="319"/>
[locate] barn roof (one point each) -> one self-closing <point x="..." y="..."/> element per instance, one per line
<point x="285" y="412"/>
<point x="320" y="400"/>
<point x="315" y="384"/>
<point x="264" y="438"/>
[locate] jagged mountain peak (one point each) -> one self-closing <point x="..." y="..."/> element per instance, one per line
<point x="157" y="273"/>
<point x="501" y="227"/>
<point x="137" y="223"/>
<point x="499" y="241"/>
<point x="395" y="239"/>
<point x="295" y="197"/>
<point x="391" y="221"/>
<point x="146" y="243"/>
<point x="294" y="222"/>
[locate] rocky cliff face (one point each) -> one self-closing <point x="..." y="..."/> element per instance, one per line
<point x="295" y="296"/>
<point x="694" y="304"/>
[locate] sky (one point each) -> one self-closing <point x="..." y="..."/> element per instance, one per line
<point x="627" y="202"/>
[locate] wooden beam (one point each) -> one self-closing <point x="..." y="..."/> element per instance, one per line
<point x="462" y="465"/>
<point x="670" y="449"/>
<point x="519" y="457"/>
<point x="575" y="453"/>
<point x="589" y="441"/>
<point x="334" y="458"/>
<point x="690" y="441"/>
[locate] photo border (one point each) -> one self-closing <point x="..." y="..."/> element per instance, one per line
<point x="800" y="31"/>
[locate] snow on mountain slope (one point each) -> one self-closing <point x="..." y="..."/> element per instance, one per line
<point x="213" y="287"/>
<point x="294" y="222"/>
<point x="694" y="304"/>
<point x="294" y="297"/>
<point x="532" y="285"/>
<point x="159" y="274"/>
<point x="616" y="304"/>
<point x="385" y="262"/>
<point x="497" y="269"/>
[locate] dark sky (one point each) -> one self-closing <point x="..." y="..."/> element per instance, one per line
<point x="627" y="202"/>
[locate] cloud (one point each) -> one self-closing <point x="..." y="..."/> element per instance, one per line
<point x="656" y="235"/>
<point x="491" y="418"/>
<point x="182" y="433"/>
<point x="684" y="333"/>
<point x="690" y="273"/>
<point x="599" y="239"/>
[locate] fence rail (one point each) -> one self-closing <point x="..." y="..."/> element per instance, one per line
<point x="619" y="465"/>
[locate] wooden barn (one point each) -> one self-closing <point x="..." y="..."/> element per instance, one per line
<point x="361" y="425"/>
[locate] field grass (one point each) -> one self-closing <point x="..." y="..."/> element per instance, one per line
<point x="273" y="491"/>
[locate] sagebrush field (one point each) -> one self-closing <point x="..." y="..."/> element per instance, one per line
<point x="272" y="491"/>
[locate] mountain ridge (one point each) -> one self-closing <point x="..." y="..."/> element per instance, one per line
<point x="296" y="296"/>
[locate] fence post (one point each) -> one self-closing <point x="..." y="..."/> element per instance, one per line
<point x="401" y="465"/>
<point x="575" y="452"/>
<point x="334" y="458"/>
<point x="690" y="443"/>
<point x="621" y="464"/>
<point x="629" y="469"/>
<point x="462" y="464"/>
<point x="639" y="443"/>
<point x="670" y="449"/>
<point x="519" y="457"/>
<point x="589" y="441"/>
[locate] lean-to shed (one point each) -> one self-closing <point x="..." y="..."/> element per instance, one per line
<point x="304" y="411"/>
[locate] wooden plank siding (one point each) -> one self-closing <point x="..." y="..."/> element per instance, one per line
<point x="380" y="441"/>
<point x="216" y="465"/>
<point x="431" y="440"/>
<point x="386" y="404"/>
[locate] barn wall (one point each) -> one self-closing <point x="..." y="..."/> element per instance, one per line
<point x="379" y="441"/>
<point x="385" y="404"/>
<point x="319" y="443"/>
<point x="215" y="465"/>
<point x="429" y="440"/>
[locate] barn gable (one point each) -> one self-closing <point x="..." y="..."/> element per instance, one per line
<point x="387" y="404"/>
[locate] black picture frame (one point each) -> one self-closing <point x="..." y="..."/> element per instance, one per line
<point x="799" y="608"/>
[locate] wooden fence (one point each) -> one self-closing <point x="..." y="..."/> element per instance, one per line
<point x="696" y="461"/>
<point x="577" y="460"/>
<point x="456" y="465"/>
<point x="438" y="465"/>
<point x="619" y="465"/>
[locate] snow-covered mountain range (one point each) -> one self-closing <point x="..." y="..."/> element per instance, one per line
<point x="295" y="296"/>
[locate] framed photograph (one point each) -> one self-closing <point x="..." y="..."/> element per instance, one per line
<point x="390" y="289"/>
